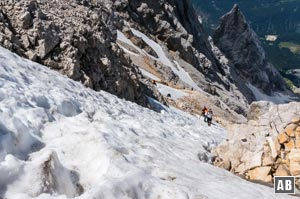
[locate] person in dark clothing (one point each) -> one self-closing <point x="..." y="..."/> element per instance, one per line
<point x="154" y="82"/>
<point x="204" y="112"/>
<point x="209" y="116"/>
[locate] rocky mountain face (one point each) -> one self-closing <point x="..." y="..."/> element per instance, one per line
<point x="176" y="27"/>
<point x="79" y="38"/>
<point x="267" y="145"/>
<point x="279" y="18"/>
<point x="76" y="38"/>
<point x="242" y="47"/>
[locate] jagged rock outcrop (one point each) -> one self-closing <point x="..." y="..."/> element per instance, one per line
<point x="267" y="146"/>
<point x="176" y="24"/>
<point x="76" y="38"/>
<point x="176" y="27"/>
<point x="242" y="47"/>
<point x="173" y="22"/>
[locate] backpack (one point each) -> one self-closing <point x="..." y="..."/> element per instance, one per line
<point x="209" y="115"/>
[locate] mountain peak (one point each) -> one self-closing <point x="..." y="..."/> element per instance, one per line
<point x="235" y="8"/>
<point x="235" y="17"/>
<point x="240" y="43"/>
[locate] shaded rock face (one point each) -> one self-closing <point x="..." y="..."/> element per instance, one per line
<point x="242" y="47"/>
<point x="76" y="38"/>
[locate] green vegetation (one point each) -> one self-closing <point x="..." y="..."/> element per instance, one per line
<point x="266" y="17"/>
<point x="294" y="48"/>
<point x="289" y="83"/>
<point x="281" y="56"/>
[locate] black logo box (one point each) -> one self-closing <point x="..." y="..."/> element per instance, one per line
<point x="284" y="184"/>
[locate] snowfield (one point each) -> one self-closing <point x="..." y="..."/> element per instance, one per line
<point x="276" y="98"/>
<point x="177" y="69"/>
<point x="61" y="140"/>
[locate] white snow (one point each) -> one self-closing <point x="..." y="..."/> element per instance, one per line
<point x="178" y="70"/>
<point x="175" y="93"/>
<point x="123" y="38"/>
<point x="128" y="51"/>
<point x="276" y="98"/>
<point x="149" y="75"/>
<point x="155" y="46"/>
<point x="61" y="140"/>
<point x="185" y="77"/>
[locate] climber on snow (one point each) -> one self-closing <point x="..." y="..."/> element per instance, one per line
<point x="154" y="82"/>
<point x="209" y="116"/>
<point x="204" y="112"/>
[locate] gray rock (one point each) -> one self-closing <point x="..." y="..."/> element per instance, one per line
<point x="241" y="45"/>
<point x="78" y="39"/>
<point x="31" y="55"/>
<point x="47" y="44"/>
<point x="26" y="20"/>
<point x="25" y="41"/>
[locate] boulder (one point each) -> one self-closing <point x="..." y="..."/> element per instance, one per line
<point x="282" y="137"/>
<point x="25" y="41"/>
<point x="260" y="173"/>
<point x="294" y="162"/>
<point x="222" y="163"/>
<point x="291" y="130"/>
<point x="26" y="20"/>
<point x="297" y="182"/>
<point x="241" y="169"/>
<point x="47" y="44"/>
<point x="252" y="159"/>
<point x="230" y="153"/>
<point x="267" y="160"/>
<point x="277" y="145"/>
<point x="274" y="146"/>
<point x="31" y="55"/>
<point x="296" y="120"/>
<point x="282" y="170"/>
<point x="289" y="145"/>
<point x="297" y="133"/>
<point x="297" y="143"/>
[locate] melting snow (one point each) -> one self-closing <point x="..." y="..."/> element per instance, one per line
<point x="185" y="77"/>
<point x="155" y="46"/>
<point x="178" y="70"/>
<point x="277" y="98"/>
<point x="59" y="139"/>
<point x="175" y="93"/>
<point x="150" y="75"/>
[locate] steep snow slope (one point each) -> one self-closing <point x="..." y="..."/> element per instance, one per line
<point x="61" y="140"/>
